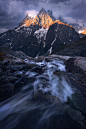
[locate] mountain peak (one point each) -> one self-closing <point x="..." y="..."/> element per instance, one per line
<point x="42" y="11"/>
<point x="50" y="13"/>
<point x="43" y="19"/>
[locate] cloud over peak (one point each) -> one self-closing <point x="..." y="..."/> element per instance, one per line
<point x="31" y="13"/>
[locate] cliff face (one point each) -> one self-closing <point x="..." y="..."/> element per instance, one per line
<point x="75" y="48"/>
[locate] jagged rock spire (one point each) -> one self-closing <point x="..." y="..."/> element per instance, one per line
<point x="42" y="11"/>
<point x="43" y="19"/>
<point x="50" y="13"/>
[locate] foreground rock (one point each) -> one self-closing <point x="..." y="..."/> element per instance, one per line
<point x="13" y="75"/>
<point x="74" y="111"/>
<point x="77" y="69"/>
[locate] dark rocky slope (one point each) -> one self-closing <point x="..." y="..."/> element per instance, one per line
<point x="76" y="48"/>
<point x="58" y="35"/>
<point x="24" y="39"/>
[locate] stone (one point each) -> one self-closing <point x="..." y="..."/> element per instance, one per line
<point x="78" y="102"/>
<point x="22" y="80"/>
<point x="31" y="79"/>
<point x="30" y="66"/>
<point x="1" y="70"/>
<point x="76" y="115"/>
<point x="39" y="95"/>
<point x="10" y="88"/>
<point x="9" y="72"/>
<point x="38" y="69"/>
<point x="5" y="62"/>
<point x="3" y="78"/>
<point x="39" y="58"/>
<point x="16" y="67"/>
<point x="59" y="73"/>
<point x="77" y="74"/>
<point x="6" y="91"/>
<point x="48" y="59"/>
<point x="11" y="79"/>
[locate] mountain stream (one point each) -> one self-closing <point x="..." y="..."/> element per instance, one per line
<point x="41" y="103"/>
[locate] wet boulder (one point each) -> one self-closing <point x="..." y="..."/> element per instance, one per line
<point x="77" y="67"/>
<point x="39" y="95"/>
<point x="16" y="67"/>
<point x="1" y="70"/>
<point x="38" y="69"/>
<point x="3" y="78"/>
<point x="31" y="66"/>
<point x="11" y="79"/>
<point x="6" y="91"/>
<point x="76" y="116"/>
<point x="39" y="58"/>
<point x="78" y="102"/>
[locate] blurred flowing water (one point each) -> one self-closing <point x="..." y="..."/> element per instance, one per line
<point x="28" y="109"/>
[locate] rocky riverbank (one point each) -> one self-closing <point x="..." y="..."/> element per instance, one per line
<point x="58" y="81"/>
<point x="13" y="74"/>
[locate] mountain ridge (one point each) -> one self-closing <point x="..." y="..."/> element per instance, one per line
<point x="79" y="27"/>
<point x="39" y="35"/>
<point x="43" y="19"/>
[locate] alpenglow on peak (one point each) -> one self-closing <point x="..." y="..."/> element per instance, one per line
<point x="43" y="19"/>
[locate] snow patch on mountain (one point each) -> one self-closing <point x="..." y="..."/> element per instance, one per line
<point x="24" y="29"/>
<point x="50" y="50"/>
<point x="81" y="31"/>
<point x="53" y="41"/>
<point x="3" y="35"/>
<point x="18" y="29"/>
<point x="41" y="33"/>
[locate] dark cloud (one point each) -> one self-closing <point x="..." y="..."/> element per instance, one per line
<point x="59" y="1"/>
<point x="43" y="1"/>
<point x="79" y="11"/>
<point x="11" y="12"/>
<point x="35" y="2"/>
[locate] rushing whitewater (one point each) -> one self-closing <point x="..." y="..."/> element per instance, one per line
<point x="57" y="85"/>
<point x="27" y="110"/>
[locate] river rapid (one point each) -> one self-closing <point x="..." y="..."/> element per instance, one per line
<point x="41" y="103"/>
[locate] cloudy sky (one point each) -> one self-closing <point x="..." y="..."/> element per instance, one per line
<point x="13" y="11"/>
